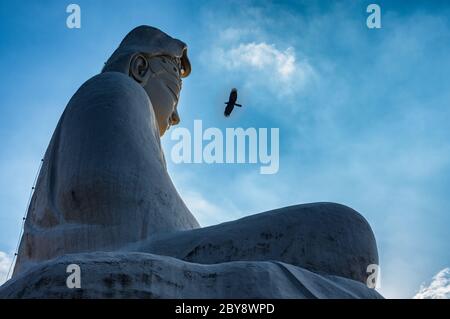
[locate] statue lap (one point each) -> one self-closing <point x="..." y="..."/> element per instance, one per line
<point x="325" y="238"/>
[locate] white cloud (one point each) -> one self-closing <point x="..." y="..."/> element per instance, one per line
<point x="233" y="35"/>
<point x="262" y="56"/>
<point x="265" y="65"/>
<point x="5" y="263"/>
<point x="439" y="287"/>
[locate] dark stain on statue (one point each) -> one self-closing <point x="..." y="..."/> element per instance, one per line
<point x="109" y="282"/>
<point x="75" y="199"/>
<point x="124" y="280"/>
<point x="187" y="274"/>
<point x="210" y="276"/>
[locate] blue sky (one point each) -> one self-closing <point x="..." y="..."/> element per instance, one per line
<point x="363" y="114"/>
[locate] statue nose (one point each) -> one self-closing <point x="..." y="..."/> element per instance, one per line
<point x="174" y="118"/>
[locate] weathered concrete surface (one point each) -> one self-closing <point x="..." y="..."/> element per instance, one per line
<point x="322" y="237"/>
<point x="141" y="275"/>
<point x="103" y="183"/>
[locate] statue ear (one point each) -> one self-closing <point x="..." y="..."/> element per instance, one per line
<point x="139" y="68"/>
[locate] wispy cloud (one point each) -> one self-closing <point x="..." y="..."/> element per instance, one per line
<point x="260" y="64"/>
<point x="261" y="56"/>
<point x="264" y="65"/>
<point x="439" y="288"/>
<point x="5" y="263"/>
<point x="206" y="212"/>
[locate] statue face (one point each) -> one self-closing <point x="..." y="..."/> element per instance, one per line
<point x="160" y="76"/>
<point x="163" y="86"/>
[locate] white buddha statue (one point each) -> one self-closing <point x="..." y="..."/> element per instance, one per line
<point x="104" y="186"/>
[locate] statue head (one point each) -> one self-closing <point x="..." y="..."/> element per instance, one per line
<point x="157" y="62"/>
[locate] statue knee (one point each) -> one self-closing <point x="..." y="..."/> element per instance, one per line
<point x="330" y="238"/>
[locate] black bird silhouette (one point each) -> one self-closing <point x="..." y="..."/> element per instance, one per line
<point x="231" y="103"/>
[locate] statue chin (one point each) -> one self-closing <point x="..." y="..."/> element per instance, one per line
<point x="105" y="202"/>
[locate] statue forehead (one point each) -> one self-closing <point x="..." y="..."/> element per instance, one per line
<point x="155" y="42"/>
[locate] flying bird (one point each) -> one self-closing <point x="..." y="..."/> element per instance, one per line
<point x="231" y="103"/>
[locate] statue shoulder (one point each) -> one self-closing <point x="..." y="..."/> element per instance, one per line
<point x="112" y="96"/>
<point x="112" y="87"/>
